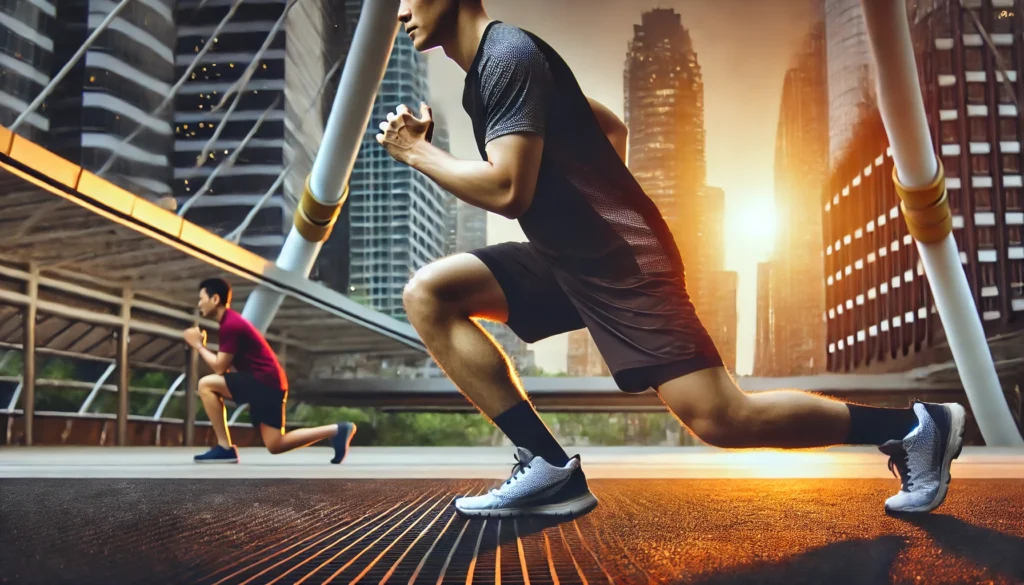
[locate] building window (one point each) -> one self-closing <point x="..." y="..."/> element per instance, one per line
<point x="976" y="95"/>
<point x="979" y="129"/>
<point x="980" y="165"/>
<point x="1013" y="235"/>
<point x="1011" y="163"/>
<point x="1012" y="199"/>
<point x="973" y="57"/>
<point x="988" y="273"/>
<point x="947" y="97"/>
<point x="952" y="165"/>
<point x="982" y="200"/>
<point x="944" y="62"/>
<point x="985" y="240"/>
<point x="1006" y="57"/>
<point x="1002" y="21"/>
<point x="1017" y="278"/>
<point x="1008" y="129"/>
<point x="954" y="200"/>
<point x="949" y="133"/>
<point x="989" y="304"/>
<point x="1006" y="93"/>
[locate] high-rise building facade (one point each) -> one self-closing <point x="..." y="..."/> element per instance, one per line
<point x="273" y="63"/>
<point x="850" y="72"/>
<point x="801" y="168"/>
<point x="664" y="110"/>
<point x="26" y="60"/>
<point x="397" y="214"/>
<point x="880" y="313"/>
<point x="584" y="359"/>
<point x="703" y="249"/>
<point x="112" y="92"/>
<point x="764" y="342"/>
<point x="718" y="313"/>
<point x="471" y="229"/>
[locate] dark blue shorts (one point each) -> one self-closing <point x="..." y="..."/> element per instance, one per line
<point x="266" y="403"/>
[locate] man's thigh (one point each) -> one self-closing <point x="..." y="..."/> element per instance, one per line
<point x="538" y="307"/>
<point x="217" y="384"/>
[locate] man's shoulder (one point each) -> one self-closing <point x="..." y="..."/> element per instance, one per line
<point x="507" y="44"/>
<point x="235" y="321"/>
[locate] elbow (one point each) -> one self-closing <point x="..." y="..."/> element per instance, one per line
<point x="515" y="205"/>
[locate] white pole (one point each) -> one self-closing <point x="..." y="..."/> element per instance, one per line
<point x="326" y="188"/>
<point x="921" y="184"/>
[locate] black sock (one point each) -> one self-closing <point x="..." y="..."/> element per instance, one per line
<point x="875" y="426"/>
<point x="523" y="426"/>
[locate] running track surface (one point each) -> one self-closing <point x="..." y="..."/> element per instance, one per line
<point x="750" y="529"/>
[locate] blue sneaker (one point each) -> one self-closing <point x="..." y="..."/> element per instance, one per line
<point x="218" y="454"/>
<point x="340" y="441"/>
<point x="924" y="456"/>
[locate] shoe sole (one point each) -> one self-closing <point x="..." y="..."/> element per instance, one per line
<point x="954" y="446"/>
<point x="214" y="461"/>
<point x="572" y="508"/>
<point x="348" y="442"/>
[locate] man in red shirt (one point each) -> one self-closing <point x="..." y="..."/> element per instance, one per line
<point x="246" y="371"/>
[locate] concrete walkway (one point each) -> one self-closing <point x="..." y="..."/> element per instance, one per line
<point x="481" y="463"/>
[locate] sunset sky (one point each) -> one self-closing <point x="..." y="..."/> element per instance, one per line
<point x="744" y="48"/>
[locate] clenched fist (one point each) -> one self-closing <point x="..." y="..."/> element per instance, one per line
<point x="403" y="132"/>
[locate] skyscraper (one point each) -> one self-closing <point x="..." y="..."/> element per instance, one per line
<point x="112" y="90"/>
<point x="279" y="111"/>
<point x="718" y="313"/>
<point x="664" y="110"/>
<point x="850" y="72"/>
<point x="471" y="230"/>
<point x="801" y="166"/>
<point x="397" y="215"/>
<point x="703" y="250"/>
<point x="26" y="56"/>
<point x="764" y="344"/>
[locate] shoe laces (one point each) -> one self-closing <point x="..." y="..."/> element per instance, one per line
<point x="518" y="470"/>
<point x="899" y="460"/>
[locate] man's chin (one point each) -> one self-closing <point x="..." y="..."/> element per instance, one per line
<point x="422" y="44"/>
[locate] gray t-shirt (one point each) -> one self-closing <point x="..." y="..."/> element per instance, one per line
<point x="589" y="216"/>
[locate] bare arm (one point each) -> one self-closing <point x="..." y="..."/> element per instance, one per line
<point x="220" y="362"/>
<point x="503" y="184"/>
<point x="613" y="127"/>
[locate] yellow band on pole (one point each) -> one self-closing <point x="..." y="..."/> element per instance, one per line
<point x="315" y="220"/>
<point x="926" y="209"/>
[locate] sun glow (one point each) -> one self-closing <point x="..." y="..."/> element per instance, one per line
<point x="752" y="229"/>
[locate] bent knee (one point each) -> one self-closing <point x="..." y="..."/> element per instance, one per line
<point x="420" y="295"/>
<point x="210" y="384"/>
<point x="435" y="288"/>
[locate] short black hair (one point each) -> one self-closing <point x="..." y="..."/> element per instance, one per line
<point x="217" y="286"/>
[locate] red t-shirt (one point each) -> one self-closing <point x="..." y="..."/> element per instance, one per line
<point x="251" y="350"/>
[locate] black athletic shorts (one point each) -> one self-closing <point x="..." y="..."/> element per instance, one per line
<point x="266" y="403"/>
<point x="645" y="326"/>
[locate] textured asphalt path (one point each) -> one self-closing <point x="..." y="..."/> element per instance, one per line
<point x="704" y="531"/>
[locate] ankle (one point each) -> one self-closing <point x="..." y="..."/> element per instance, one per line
<point x="224" y="444"/>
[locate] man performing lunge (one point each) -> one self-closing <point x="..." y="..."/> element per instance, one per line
<point x="599" y="256"/>
<point x="257" y="380"/>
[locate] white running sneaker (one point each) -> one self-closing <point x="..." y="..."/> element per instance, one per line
<point x="923" y="457"/>
<point x="536" y="488"/>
